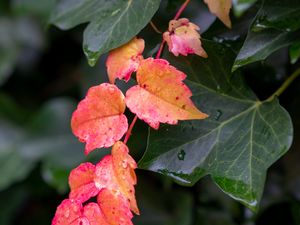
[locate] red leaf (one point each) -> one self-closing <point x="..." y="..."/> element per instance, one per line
<point x="161" y="97"/>
<point x="124" y="166"/>
<point x="105" y="176"/>
<point x="115" y="208"/>
<point x="94" y="214"/>
<point x="71" y="212"/>
<point x="99" y="120"/>
<point x="183" y="38"/>
<point x="81" y="181"/>
<point x="122" y="61"/>
<point x="68" y="212"/>
<point x="116" y="173"/>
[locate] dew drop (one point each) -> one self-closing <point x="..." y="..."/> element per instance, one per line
<point x="124" y="164"/>
<point x="181" y="155"/>
<point x="111" y="90"/>
<point x="218" y="114"/>
<point x="67" y="213"/>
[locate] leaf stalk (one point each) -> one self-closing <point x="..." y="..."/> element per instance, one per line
<point x="285" y="85"/>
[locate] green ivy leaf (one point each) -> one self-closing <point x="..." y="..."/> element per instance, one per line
<point x="276" y="25"/>
<point x="294" y="52"/>
<point x="240" y="6"/>
<point x="111" y="23"/>
<point x="236" y="145"/>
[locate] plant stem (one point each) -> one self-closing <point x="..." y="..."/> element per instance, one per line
<point x="178" y="14"/>
<point x="181" y="9"/>
<point x="285" y="85"/>
<point x="161" y="47"/>
<point x="130" y="129"/>
<point x="155" y="27"/>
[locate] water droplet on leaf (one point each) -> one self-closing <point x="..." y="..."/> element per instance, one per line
<point x="218" y="114"/>
<point x="181" y="154"/>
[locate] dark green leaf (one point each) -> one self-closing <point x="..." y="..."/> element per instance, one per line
<point x="240" y="140"/>
<point x="276" y="25"/>
<point x="240" y="6"/>
<point x="295" y="52"/>
<point x="111" y="23"/>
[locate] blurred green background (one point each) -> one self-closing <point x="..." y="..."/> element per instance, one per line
<point x="43" y="74"/>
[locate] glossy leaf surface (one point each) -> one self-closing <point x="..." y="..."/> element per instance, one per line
<point x="276" y="25"/>
<point x="236" y="145"/>
<point x="111" y="23"/>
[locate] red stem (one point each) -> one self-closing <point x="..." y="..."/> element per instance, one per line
<point x="130" y="129"/>
<point x="161" y="47"/>
<point x="181" y="9"/>
<point x="178" y="14"/>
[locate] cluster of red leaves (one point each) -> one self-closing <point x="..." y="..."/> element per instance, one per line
<point x="112" y="180"/>
<point x="160" y="96"/>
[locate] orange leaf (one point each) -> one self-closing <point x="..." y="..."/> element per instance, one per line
<point x="124" y="166"/>
<point x="115" y="208"/>
<point x="161" y="96"/>
<point x="99" y="120"/>
<point x="183" y="38"/>
<point x="122" y="61"/>
<point x="116" y="173"/>
<point x="221" y="8"/>
<point x="81" y="181"/>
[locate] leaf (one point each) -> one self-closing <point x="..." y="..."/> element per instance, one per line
<point x="161" y="97"/>
<point x="111" y="23"/>
<point x="294" y="52"/>
<point x="124" y="166"/>
<point x="99" y="120"/>
<point x="68" y="212"/>
<point x="81" y="181"/>
<point x="94" y="214"/>
<point x="116" y="173"/>
<point x="240" y="6"/>
<point x="276" y="25"/>
<point x="115" y="208"/>
<point x="236" y="145"/>
<point x="183" y="38"/>
<point x="71" y="212"/>
<point x="221" y="8"/>
<point x="123" y="61"/>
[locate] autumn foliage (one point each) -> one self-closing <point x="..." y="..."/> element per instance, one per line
<point x="160" y="96"/>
